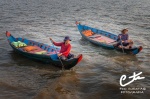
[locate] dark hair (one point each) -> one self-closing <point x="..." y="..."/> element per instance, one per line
<point x="124" y="30"/>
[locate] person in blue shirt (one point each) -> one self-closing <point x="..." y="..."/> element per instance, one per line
<point x="123" y="38"/>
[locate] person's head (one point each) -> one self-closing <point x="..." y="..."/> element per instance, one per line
<point x="67" y="40"/>
<point x="124" y="31"/>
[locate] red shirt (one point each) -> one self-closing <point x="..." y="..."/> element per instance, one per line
<point x="65" y="49"/>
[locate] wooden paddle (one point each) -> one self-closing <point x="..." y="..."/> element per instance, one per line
<point x="121" y="45"/>
<point x="58" y="56"/>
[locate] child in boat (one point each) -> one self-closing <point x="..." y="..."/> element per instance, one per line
<point x="65" y="48"/>
<point x="122" y="38"/>
<point x="129" y="46"/>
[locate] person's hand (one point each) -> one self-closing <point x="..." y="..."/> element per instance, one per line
<point x="120" y="46"/>
<point x="50" y="39"/>
<point x="59" y="54"/>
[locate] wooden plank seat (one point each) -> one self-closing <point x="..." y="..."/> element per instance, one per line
<point x="101" y="38"/>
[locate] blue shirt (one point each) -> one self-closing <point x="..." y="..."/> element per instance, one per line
<point x="124" y="37"/>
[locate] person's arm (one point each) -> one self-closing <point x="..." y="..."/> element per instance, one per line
<point x="67" y="51"/>
<point x="119" y="36"/>
<point x="55" y="43"/>
<point x="128" y="46"/>
<point x="127" y="37"/>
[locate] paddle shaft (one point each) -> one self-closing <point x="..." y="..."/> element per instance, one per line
<point x="58" y="56"/>
<point x="122" y="45"/>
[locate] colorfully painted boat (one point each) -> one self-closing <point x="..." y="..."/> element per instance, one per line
<point x="49" y="55"/>
<point x="104" y="39"/>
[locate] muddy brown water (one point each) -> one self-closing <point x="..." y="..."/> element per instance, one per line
<point x="97" y="76"/>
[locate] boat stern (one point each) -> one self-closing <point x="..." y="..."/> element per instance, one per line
<point x="10" y="38"/>
<point x="79" y="58"/>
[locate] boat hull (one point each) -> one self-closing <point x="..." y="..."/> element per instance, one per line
<point x="112" y="36"/>
<point x="68" y="64"/>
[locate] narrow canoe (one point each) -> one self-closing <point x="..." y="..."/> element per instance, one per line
<point x="50" y="56"/>
<point x="104" y="39"/>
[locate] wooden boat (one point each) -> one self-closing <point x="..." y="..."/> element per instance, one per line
<point x="49" y="57"/>
<point x="104" y="39"/>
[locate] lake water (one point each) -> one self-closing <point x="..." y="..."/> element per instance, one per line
<point x="97" y="75"/>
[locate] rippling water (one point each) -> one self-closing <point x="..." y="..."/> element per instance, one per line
<point x="97" y="76"/>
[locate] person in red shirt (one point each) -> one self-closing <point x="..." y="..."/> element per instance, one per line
<point x="65" y="47"/>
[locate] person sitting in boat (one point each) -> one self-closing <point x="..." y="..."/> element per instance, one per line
<point x="129" y="46"/>
<point x="122" y="38"/>
<point x="65" y="48"/>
